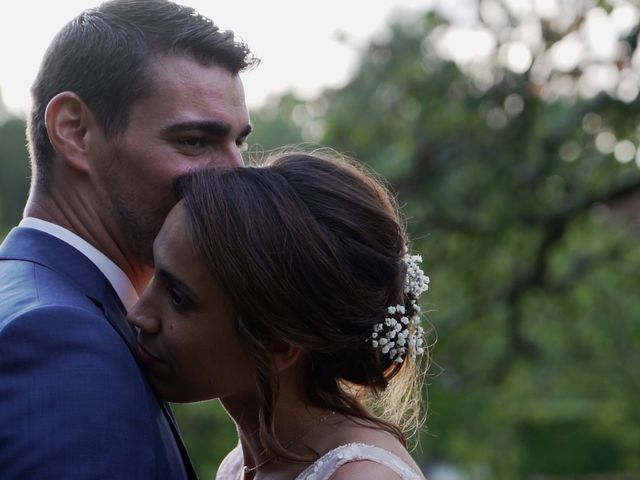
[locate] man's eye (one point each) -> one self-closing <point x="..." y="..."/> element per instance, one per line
<point x="242" y="145"/>
<point x="194" y="142"/>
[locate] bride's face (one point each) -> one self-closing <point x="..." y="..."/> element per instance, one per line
<point x="187" y="341"/>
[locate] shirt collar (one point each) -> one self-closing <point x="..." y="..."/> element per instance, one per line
<point x="114" y="274"/>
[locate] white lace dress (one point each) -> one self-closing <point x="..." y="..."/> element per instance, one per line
<point x="325" y="466"/>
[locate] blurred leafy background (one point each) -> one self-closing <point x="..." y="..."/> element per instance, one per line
<point x="512" y="141"/>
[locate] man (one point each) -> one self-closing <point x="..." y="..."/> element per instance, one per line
<point x="129" y="96"/>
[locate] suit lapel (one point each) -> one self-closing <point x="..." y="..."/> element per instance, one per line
<point x="168" y="414"/>
<point x="116" y="315"/>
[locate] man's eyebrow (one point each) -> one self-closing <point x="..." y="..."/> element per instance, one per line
<point x="214" y="127"/>
<point x="246" y="131"/>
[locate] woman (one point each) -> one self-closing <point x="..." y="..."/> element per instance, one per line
<point x="286" y="291"/>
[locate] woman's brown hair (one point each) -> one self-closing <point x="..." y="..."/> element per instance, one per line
<point x="309" y="249"/>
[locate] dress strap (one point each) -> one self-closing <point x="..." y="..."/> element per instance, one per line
<point x="231" y="466"/>
<point x="325" y="466"/>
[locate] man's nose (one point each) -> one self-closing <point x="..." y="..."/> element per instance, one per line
<point x="232" y="157"/>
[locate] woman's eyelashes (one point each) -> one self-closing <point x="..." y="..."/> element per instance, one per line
<point x="176" y="292"/>
<point x="178" y="298"/>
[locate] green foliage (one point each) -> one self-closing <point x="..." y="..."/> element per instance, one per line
<point x="208" y="433"/>
<point x="14" y="177"/>
<point x="274" y="126"/>
<point x="568" y="447"/>
<point x="526" y="225"/>
<point x="527" y="220"/>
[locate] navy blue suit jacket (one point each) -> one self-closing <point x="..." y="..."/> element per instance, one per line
<point x="74" y="403"/>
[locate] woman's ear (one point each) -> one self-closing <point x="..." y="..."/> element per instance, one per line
<point x="285" y="355"/>
<point x="68" y="121"/>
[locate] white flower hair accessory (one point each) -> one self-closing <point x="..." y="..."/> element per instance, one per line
<point x="400" y="334"/>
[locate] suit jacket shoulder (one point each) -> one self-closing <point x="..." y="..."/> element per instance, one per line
<point x="26" y="286"/>
<point x="74" y="403"/>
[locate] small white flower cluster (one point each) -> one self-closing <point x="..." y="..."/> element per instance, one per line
<point x="416" y="282"/>
<point x="400" y="335"/>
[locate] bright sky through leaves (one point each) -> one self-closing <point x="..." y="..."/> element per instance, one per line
<point x="298" y="42"/>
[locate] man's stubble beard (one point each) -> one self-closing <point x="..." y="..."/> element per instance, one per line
<point x="137" y="235"/>
<point x="138" y="222"/>
<point x="136" y="218"/>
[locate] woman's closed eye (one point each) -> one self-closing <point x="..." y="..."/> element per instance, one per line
<point x="179" y="300"/>
<point x="175" y="291"/>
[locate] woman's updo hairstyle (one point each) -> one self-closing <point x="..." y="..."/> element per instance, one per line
<point x="309" y="249"/>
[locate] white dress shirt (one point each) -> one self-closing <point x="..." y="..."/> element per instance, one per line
<point x="116" y="277"/>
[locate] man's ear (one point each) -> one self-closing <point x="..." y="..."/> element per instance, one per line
<point x="285" y="355"/>
<point x="68" y="121"/>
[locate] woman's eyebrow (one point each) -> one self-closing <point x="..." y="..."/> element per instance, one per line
<point x="171" y="279"/>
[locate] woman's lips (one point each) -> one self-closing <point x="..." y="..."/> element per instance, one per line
<point x="146" y="355"/>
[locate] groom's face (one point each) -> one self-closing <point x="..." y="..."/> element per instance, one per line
<point x="196" y="116"/>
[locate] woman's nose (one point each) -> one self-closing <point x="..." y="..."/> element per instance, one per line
<point x="143" y="317"/>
